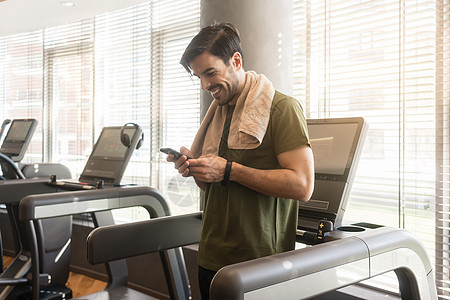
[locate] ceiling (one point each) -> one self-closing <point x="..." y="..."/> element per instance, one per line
<point x="18" y="16"/>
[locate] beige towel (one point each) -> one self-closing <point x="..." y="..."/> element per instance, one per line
<point x="248" y="124"/>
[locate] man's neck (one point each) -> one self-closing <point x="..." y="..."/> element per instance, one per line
<point x="241" y="77"/>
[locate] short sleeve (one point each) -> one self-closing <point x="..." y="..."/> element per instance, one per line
<point x="288" y="124"/>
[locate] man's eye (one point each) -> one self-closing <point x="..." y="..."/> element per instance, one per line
<point x="211" y="74"/>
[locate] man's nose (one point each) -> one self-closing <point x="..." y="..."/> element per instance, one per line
<point x="204" y="84"/>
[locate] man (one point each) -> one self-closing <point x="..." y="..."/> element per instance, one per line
<point x="251" y="156"/>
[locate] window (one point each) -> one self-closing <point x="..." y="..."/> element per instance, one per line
<point x="442" y="184"/>
<point x="68" y="98"/>
<point x="21" y="76"/>
<point x="388" y="62"/>
<point x="138" y="79"/>
<point x="115" y="68"/>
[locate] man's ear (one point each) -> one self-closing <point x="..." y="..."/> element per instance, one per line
<point x="236" y="60"/>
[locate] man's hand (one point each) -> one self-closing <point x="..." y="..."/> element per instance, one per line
<point x="184" y="165"/>
<point x="181" y="164"/>
<point x="294" y="180"/>
<point x="208" y="168"/>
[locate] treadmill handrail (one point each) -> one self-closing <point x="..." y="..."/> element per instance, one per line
<point x="233" y="281"/>
<point x="164" y="233"/>
<point x="35" y="207"/>
<point x="42" y="206"/>
<point x="289" y="269"/>
<point x="5" y="158"/>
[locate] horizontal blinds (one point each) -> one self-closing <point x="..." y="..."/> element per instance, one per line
<point x="68" y="98"/>
<point x="115" y="68"/>
<point x="175" y="97"/>
<point x="173" y="28"/>
<point x="443" y="149"/>
<point x="376" y="60"/>
<point x="301" y="46"/>
<point x="386" y="61"/>
<point x="122" y="78"/>
<point x="138" y="79"/>
<point x="21" y="83"/>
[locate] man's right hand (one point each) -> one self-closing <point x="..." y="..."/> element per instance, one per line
<point x="181" y="163"/>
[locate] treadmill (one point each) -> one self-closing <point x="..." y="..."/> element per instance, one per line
<point x="337" y="145"/>
<point x="104" y="168"/>
<point x="333" y="255"/>
<point x="15" y="145"/>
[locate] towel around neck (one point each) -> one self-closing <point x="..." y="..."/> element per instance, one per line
<point x="248" y="123"/>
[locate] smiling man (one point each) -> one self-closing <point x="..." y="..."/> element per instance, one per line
<point x="251" y="156"/>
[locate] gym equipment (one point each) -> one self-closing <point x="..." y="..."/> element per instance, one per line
<point x="18" y="138"/>
<point x="11" y="192"/>
<point x="337" y="145"/>
<point x="108" y="160"/>
<point x="100" y="202"/>
<point x="12" y="150"/>
<point x="14" y="146"/>
<point x="344" y="256"/>
<point x="350" y="255"/>
<point x="104" y="167"/>
<point x="338" y="255"/>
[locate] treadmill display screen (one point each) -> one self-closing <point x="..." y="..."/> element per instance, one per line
<point x="18" y="131"/>
<point x="337" y="145"/>
<point x="109" y="145"/>
<point x="18" y="137"/>
<point x="110" y="156"/>
<point x="332" y="145"/>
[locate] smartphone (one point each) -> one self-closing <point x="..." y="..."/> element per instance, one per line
<point x="174" y="152"/>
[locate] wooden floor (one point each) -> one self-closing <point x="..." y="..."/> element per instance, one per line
<point x="79" y="284"/>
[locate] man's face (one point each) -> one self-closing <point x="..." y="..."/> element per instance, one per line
<point x="216" y="77"/>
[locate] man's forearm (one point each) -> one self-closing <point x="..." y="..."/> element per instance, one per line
<point x="295" y="178"/>
<point x="284" y="183"/>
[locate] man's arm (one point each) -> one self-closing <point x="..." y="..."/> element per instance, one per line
<point x="295" y="180"/>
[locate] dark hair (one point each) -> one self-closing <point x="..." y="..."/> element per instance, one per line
<point x="221" y="40"/>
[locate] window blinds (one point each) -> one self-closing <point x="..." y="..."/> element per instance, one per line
<point x="21" y="77"/>
<point x="138" y="79"/>
<point x="122" y="78"/>
<point x="68" y="93"/>
<point x="388" y="62"/>
<point x="177" y="117"/>
<point x="442" y="150"/>
<point x="118" y="67"/>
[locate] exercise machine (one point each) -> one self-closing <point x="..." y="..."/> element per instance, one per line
<point x="105" y="168"/>
<point x="12" y="150"/>
<point x="100" y="202"/>
<point x="337" y="145"/>
<point x="335" y="255"/>
<point x="14" y="146"/>
<point x="348" y="258"/>
<point x="353" y="254"/>
<point x="333" y="258"/>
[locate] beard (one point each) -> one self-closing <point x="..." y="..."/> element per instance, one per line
<point x="232" y="88"/>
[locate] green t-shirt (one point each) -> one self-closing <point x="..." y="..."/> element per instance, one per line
<point x="240" y="224"/>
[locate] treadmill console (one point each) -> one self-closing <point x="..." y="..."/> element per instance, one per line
<point x="108" y="160"/>
<point x="18" y="138"/>
<point x="337" y="145"/>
